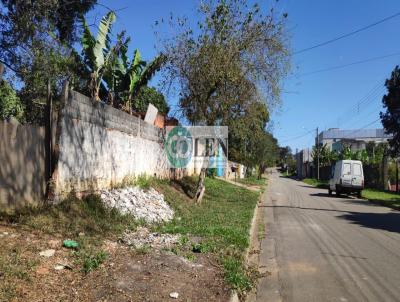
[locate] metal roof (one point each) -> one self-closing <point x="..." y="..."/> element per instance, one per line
<point x="354" y="134"/>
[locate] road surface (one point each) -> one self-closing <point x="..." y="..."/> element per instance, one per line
<point x="323" y="248"/>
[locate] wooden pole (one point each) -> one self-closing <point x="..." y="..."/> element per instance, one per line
<point x="1" y="71"/>
<point x="397" y="176"/>
<point x="48" y="127"/>
<point x="317" y="155"/>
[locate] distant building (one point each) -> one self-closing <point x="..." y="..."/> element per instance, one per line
<point x="336" y="139"/>
<point x="304" y="163"/>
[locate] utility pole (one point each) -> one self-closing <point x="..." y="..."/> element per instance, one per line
<point x="397" y="176"/>
<point x="1" y="71"/>
<point x="317" y="155"/>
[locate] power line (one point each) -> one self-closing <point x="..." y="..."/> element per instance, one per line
<point x="350" y="64"/>
<point x="363" y="127"/>
<point x="347" y="35"/>
<point x="359" y="107"/>
<point x="297" y="137"/>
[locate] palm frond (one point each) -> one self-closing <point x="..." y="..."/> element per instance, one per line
<point x="88" y="42"/>
<point x="103" y="38"/>
<point x="148" y="72"/>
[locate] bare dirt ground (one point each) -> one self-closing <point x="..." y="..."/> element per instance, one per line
<point x="126" y="275"/>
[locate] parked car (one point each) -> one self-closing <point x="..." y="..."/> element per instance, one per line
<point x="347" y="177"/>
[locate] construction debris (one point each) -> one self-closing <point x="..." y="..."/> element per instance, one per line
<point x="147" y="205"/>
<point x="144" y="238"/>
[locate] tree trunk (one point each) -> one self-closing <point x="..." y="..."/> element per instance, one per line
<point x="200" y="186"/>
<point x="385" y="171"/>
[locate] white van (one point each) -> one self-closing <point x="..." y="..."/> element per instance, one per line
<point x="347" y="177"/>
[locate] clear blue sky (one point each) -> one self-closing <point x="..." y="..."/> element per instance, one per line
<point x="325" y="99"/>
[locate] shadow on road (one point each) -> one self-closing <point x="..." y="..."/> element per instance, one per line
<point x="383" y="221"/>
<point x="311" y="209"/>
<point x="332" y="196"/>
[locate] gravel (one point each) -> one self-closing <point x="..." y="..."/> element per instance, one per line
<point x="147" y="205"/>
<point x="142" y="237"/>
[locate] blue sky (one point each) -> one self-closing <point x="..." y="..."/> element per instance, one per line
<point x="347" y="98"/>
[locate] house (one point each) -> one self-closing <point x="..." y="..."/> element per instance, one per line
<point x="336" y="139"/>
<point x="304" y="161"/>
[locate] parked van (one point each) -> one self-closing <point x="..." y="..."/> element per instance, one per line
<point x="347" y="177"/>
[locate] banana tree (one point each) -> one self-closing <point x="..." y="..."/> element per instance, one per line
<point x="116" y="70"/>
<point x="138" y="74"/>
<point x="97" y="52"/>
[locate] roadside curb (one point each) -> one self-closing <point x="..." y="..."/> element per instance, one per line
<point x="252" y="235"/>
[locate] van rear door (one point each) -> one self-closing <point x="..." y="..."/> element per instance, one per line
<point x="357" y="175"/>
<point x="346" y="174"/>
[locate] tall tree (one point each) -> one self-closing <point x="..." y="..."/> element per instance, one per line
<point x="148" y="95"/>
<point x="10" y="104"/>
<point x="237" y="55"/>
<point x="235" y="58"/>
<point x="35" y="46"/>
<point x="24" y="23"/>
<point x="391" y="117"/>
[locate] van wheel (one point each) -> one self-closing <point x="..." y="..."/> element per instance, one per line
<point x="359" y="194"/>
<point x="329" y="191"/>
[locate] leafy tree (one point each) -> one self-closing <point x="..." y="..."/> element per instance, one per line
<point x="109" y="65"/>
<point x="98" y="55"/>
<point x="391" y="117"/>
<point x="265" y="152"/>
<point x="233" y="60"/>
<point x="148" y="95"/>
<point x="24" y="23"/>
<point x="10" y="104"/>
<point x="236" y="56"/>
<point x="245" y="131"/>
<point x="36" y="39"/>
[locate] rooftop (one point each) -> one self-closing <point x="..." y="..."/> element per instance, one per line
<point x="353" y="134"/>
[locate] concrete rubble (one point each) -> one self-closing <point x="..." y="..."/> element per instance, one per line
<point x="142" y="237"/>
<point x="47" y="253"/>
<point x="147" y="205"/>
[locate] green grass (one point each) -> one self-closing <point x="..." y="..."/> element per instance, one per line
<point x="222" y="220"/>
<point x="72" y="217"/>
<point x="14" y="266"/>
<point x="385" y="198"/>
<point x="316" y="183"/>
<point x="91" y="261"/>
<point x="252" y="181"/>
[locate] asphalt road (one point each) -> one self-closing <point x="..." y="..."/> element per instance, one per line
<point x="323" y="248"/>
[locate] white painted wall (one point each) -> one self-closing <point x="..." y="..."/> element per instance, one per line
<point x="100" y="147"/>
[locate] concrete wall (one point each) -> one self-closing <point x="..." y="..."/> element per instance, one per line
<point x="22" y="164"/>
<point x="100" y="146"/>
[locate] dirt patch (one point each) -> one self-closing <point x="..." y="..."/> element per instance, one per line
<point x="126" y="275"/>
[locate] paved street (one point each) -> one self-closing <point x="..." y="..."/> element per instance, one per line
<point x="322" y="248"/>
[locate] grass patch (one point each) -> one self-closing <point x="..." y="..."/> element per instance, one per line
<point x="252" y="181"/>
<point x="71" y="218"/>
<point x="385" y="198"/>
<point x="323" y="184"/>
<point x="222" y="220"/>
<point x="91" y="261"/>
<point x="14" y="266"/>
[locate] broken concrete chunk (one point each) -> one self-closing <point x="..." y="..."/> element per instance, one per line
<point x="147" y="205"/>
<point x="47" y="253"/>
<point x="142" y="237"/>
